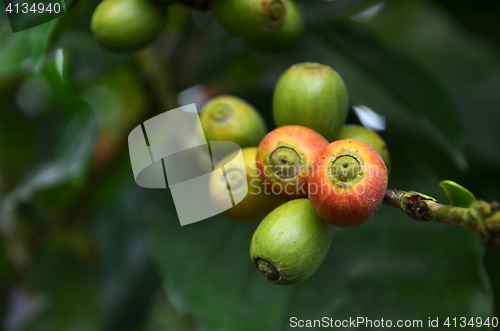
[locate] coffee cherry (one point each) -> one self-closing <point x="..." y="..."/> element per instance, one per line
<point x="292" y="29"/>
<point x="256" y="204"/>
<point x="250" y="19"/>
<point x="347" y="183"/>
<point x="127" y="25"/>
<point x="289" y="33"/>
<point x="266" y="24"/>
<point x="290" y="243"/>
<point x="311" y="95"/>
<point x="371" y="138"/>
<point x="285" y="156"/>
<point x="228" y="118"/>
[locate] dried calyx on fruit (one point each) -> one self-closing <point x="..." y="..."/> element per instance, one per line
<point x="228" y="118"/>
<point x="127" y="25"/>
<point x="284" y="158"/>
<point x="347" y="183"/>
<point x="290" y="243"/>
<point x="312" y="95"/>
<point x="371" y="138"/>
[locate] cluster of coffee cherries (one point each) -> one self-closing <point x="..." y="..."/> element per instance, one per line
<point x="311" y="174"/>
<point x="128" y="25"/>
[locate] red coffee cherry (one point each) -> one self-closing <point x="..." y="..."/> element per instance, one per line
<point x="284" y="158"/>
<point x="347" y="183"/>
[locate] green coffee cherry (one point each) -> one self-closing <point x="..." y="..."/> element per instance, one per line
<point x="371" y="138"/>
<point x="127" y="25"/>
<point x="228" y="118"/>
<point x="257" y="203"/>
<point x="289" y="33"/>
<point x="290" y="243"/>
<point x="311" y="95"/>
<point x="266" y="24"/>
<point x="250" y="19"/>
<point x="292" y="29"/>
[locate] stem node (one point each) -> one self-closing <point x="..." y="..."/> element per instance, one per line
<point x="481" y="218"/>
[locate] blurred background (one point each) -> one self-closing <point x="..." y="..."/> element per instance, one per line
<point x="82" y="247"/>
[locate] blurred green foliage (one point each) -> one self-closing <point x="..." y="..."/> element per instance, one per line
<point x="84" y="248"/>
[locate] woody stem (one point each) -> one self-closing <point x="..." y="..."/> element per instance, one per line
<point x="481" y="218"/>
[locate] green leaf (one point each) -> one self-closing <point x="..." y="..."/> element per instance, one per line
<point x="389" y="268"/>
<point x="126" y="272"/>
<point x="410" y="83"/>
<point x="458" y="195"/>
<point x="23" y="51"/>
<point x="65" y="144"/>
<point x="66" y="292"/>
<point x="163" y="316"/>
<point x="28" y="51"/>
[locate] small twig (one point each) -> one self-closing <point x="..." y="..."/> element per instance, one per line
<point x="158" y="78"/>
<point x="481" y="218"/>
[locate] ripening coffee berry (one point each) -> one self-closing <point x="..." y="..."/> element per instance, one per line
<point x="371" y="138"/>
<point x="290" y="243"/>
<point x="285" y="156"/>
<point x="266" y="24"/>
<point x="347" y="183"/>
<point x="292" y="29"/>
<point x="228" y="118"/>
<point x="311" y="95"/>
<point x="257" y="203"/>
<point x="252" y="19"/>
<point x="127" y="25"/>
<point x="288" y="34"/>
